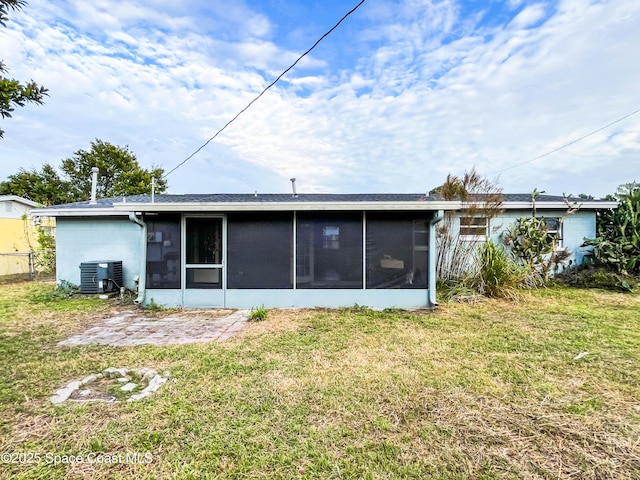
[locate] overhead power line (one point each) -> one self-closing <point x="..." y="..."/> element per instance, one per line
<point x="567" y="144"/>
<point x="263" y="91"/>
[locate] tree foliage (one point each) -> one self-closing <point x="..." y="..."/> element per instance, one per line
<point x="119" y="175"/>
<point x="42" y="186"/>
<point x="617" y="245"/>
<point x="13" y="93"/>
<point x="119" y="172"/>
<point x="529" y="241"/>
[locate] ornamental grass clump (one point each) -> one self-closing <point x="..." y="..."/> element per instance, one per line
<point x="497" y="274"/>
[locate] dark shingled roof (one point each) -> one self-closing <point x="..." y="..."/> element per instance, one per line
<point x="253" y="198"/>
<point x="300" y="198"/>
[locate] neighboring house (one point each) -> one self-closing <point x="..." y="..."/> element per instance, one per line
<point x="18" y="235"/>
<point x="276" y="250"/>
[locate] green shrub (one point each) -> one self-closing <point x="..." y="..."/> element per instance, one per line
<point x="497" y="274"/>
<point x="258" y="314"/>
<point x="45" y="255"/>
<point x="529" y="241"/>
<point x="61" y="291"/>
<point x="618" y="243"/>
<point x="606" y="279"/>
<point x="457" y="291"/>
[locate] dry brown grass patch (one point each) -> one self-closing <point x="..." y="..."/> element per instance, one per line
<point x="279" y="320"/>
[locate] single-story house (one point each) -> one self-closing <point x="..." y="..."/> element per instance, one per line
<point x="18" y="235"/>
<point x="281" y="250"/>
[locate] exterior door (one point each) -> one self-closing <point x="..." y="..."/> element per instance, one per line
<point x="203" y="283"/>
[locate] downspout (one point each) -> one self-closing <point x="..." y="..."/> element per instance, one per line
<point x="142" y="277"/>
<point x="431" y="282"/>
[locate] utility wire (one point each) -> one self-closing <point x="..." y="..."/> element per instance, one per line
<point x="566" y="144"/>
<point x="263" y="91"/>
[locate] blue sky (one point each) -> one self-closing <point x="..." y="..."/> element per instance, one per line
<point x="401" y="94"/>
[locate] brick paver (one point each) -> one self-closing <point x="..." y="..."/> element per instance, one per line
<point x="130" y="329"/>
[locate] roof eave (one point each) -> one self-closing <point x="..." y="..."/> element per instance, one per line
<point x="586" y="205"/>
<point x="18" y="199"/>
<point x="76" y="212"/>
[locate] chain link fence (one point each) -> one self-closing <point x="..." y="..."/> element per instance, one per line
<point x="27" y="265"/>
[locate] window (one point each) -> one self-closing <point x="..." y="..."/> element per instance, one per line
<point x="163" y="251"/>
<point x="260" y="250"/>
<point x="331" y="238"/>
<point x="397" y="250"/>
<point x="203" y="252"/>
<point x="553" y="233"/>
<point x="329" y="250"/>
<point x="474" y="226"/>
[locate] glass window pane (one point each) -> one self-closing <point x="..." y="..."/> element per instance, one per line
<point x="260" y="250"/>
<point x="397" y="250"/>
<point x="204" y="240"/>
<point x="163" y="251"/>
<point x="204" y="278"/>
<point x="329" y="250"/>
<point x="474" y="226"/>
<point x="552" y="224"/>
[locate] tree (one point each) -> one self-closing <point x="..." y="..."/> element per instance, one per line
<point x="12" y="92"/>
<point x="119" y="174"/>
<point x="44" y="186"/>
<point x="617" y="245"/>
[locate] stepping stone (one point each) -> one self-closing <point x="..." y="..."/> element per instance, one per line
<point x="129" y="387"/>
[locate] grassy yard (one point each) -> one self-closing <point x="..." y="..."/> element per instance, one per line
<point x="491" y="390"/>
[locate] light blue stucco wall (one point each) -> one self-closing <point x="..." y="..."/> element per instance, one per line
<point x="400" y="298"/>
<point x="117" y="238"/>
<point x="85" y="239"/>
<point x="575" y="229"/>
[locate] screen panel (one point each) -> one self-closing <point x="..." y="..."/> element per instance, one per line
<point x="260" y="250"/>
<point x="397" y="250"/>
<point x="329" y="250"/>
<point x="163" y="251"/>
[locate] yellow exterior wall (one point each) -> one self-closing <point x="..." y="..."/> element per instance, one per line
<point x="18" y="236"/>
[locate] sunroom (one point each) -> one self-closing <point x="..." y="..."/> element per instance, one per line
<point x="288" y="258"/>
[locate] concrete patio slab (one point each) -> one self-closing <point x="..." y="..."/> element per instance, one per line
<point x="130" y="328"/>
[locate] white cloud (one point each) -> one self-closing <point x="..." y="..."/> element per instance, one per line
<point x="436" y="93"/>
<point x="529" y="16"/>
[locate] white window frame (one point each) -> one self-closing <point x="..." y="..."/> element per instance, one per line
<point x="557" y="231"/>
<point x="477" y="236"/>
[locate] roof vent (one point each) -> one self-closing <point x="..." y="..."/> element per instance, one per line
<point x="94" y="185"/>
<point x="293" y="187"/>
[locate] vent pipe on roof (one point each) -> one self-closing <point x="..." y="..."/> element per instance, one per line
<point x="94" y="185"/>
<point x="293" y="186"/>
<point x="153" y="189"/>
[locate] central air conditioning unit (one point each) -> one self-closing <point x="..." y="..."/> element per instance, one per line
<point x="100" y="276"/>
